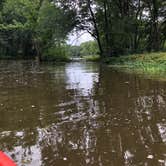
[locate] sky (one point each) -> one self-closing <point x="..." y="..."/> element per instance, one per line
<point x="78" y="38"/>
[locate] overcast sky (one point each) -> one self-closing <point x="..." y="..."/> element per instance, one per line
<point x="78" y="38"/>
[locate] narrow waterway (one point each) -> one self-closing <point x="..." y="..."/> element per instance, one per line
<point x="80" y="114"/>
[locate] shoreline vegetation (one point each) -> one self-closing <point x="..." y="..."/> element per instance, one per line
<point x="149" y="64"/>
<point x="43" y="30"/>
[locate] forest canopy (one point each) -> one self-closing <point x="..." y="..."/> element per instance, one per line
<point x="33" y="27"/>
<point x="40" y="27"/>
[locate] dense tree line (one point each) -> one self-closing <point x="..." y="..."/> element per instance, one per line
<point x="122" y="26"/>
<point x="37" y="27"/>
<point x="89" y="48"/>
<point x="33" y="27"/>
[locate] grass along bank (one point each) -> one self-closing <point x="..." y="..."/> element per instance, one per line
<point x="92" y="58"/>
<point x="151" y="64"/>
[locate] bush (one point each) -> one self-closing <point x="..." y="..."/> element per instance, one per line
<point x="57" y="54"/>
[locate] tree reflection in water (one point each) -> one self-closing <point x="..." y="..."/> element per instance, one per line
<point x="81" y="114"/>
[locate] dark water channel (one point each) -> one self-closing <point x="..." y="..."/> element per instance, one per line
<point x="80" y="114"/>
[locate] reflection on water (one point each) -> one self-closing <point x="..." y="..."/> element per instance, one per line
<point x="81" y="77"/>
<point x="80" y="114"/>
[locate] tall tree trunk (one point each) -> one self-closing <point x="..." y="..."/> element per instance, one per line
<point x="95" y="27"/>
<point x="154" y="33"/>
<point x="155" y="26"/>
<point x="37" y="49"/>
<point x="107" y="37"/>
<point x="36" y="43"/>
<point x="138" y="15"/>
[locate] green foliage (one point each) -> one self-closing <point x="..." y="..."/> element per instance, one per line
<point x="56" y="53"/>
<point x="74" y="51"/>
<point x="15" y="28"/>
<point x="89" y="49"/>
<point x="122" y="27"/>
<point x="53" y="23"/>
<point x="30" y="28"/>
<point x="94" y="58"/>
<point x="21" y="11"/>
<point x="152" y="64"/>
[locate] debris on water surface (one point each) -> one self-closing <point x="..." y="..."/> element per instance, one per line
<point x="64" y="158"/>
<point x="127" y="82"/>
<point x="161" y="161"/>
<point x="128" y="155"/>
<point x="26" y="161"/>
<point x="150" y="157"/>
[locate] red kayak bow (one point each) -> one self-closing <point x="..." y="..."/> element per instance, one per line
<point x="5" y="160"/>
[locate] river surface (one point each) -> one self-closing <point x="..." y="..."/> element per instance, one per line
<point x="80" y="114"/>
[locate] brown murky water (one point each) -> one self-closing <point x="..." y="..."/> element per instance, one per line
<point x="80" y="114"/>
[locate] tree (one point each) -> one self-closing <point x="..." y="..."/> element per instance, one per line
<point x="123" y="26"/>
<point x="31" y="27"/>
<point x="89" y="49"/>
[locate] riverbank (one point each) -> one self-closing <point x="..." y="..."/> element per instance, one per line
<point x="43" y="58"/>
<point x="148" y="63"/>
<point x="92" y="58"/>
